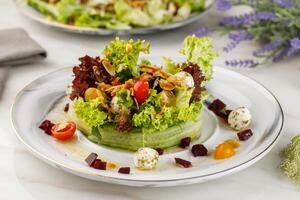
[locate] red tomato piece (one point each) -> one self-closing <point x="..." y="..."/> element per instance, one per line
<point x="64" y="133"/>
<point x="141" y="90"/>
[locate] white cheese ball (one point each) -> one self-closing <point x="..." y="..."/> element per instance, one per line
<point x="114" y="104"/>
<point x="239" y="119"/>
<point x="146" y="158"/>
<point x="187" y="79"/>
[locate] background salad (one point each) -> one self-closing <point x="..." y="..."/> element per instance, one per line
<point x="117" y="14"/>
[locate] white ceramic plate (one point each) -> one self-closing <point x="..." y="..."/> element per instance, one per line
<point x="45" y="96"/>
<point x="38" y="17"/>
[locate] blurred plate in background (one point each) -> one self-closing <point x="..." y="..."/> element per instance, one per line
<point x="40" y="18"/>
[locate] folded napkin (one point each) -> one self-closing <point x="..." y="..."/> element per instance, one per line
<point x="16" y="48"/>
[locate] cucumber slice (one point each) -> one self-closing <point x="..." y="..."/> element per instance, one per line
<point x="135" y="139"/>
<point x="160" y="139"/>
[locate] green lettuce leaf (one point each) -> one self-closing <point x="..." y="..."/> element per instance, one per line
<point x="130" y="15"/>
<point x="200" y="51"/>
<point x="169" y="66"/>
<point x="124" y="98"/>
<point x="89" y="112"/>
<point x="85" y="19"/>
<point x="69" y="8"/>
<point x="158" y="11"/>
<point x="44" y="8"/>
<point x="196" y="5"/>
<point x="183" y="97"/>
<point x="124" y="55"/>
<point x="145" y="62"/>
<point x="183" y="12"/>
<point x="152" y="117"/>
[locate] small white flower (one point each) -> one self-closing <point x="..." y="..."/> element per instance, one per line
<point x="187" y="79"/>
<point x="146" y="158"/>
<point x="239" y="119"/>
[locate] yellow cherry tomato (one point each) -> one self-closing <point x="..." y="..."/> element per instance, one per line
<point x="223" y="151"/>
<point x="93" y="93"/>
<point x="233" y="143"/>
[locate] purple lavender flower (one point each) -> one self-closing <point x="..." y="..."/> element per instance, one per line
<point x="284" y="3"/>
<point x="270" y="16"/>
<point x="268" y="47"/>
<point x="223" y="5"/>
<point x="203" y="31"/>
<point x="282" y="54"/>
<point x="295" y="43"/>
<point x="240" y="36"/>
<point x="238" y="21"/>
<point x="236" y="38"/>
<point x="241" y="63"/>
<point x="294" y="46"/>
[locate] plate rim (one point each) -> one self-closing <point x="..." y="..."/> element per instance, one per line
<point x="209" y="176"/>
<point x="20" y="4"/>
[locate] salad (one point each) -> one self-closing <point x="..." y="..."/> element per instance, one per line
<point x="117" y="14"/>
<point x="122" y="101"/>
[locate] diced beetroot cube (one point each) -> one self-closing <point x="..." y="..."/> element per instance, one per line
<point x="217" y="106"/>
<point x="245" y="134"/>
<point x="223" y="114"/>
<point x="91" y="159"/>
<point x="46" y="126"/>
<point x="124" y="170"/>
<point x="98" y="164"/>
<point x="199" y="150"/>
<point x="185" y="142"/>
<point x="66" y="108"/>
<point x="160" y="151"/>
<point x="183" y="163"/>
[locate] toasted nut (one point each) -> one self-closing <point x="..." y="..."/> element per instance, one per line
<point x="149" y="69"/>
<point x="145" y="76"/>
<point x="116" y="81"/>
<point x="162" y="74"/>
<point x="114" y="89"/>
<point x="175" y="80"/>
<point x="129" y="84"/>
<point x="109" y="68"/>
<point x="166" y="85"/>
<point x="103" y="86"/>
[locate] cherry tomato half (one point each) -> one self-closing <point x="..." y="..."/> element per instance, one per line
<point x="141" y="90"/>
<point x="65" y="132"/>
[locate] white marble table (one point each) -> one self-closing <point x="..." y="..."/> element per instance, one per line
<point x="22" y="176"/>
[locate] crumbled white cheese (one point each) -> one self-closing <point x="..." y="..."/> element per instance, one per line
<point x="114" y="104"/>
<point x="239" y="119"/>
<point x="187" y="79"/>
<point x="146" y="158"/>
